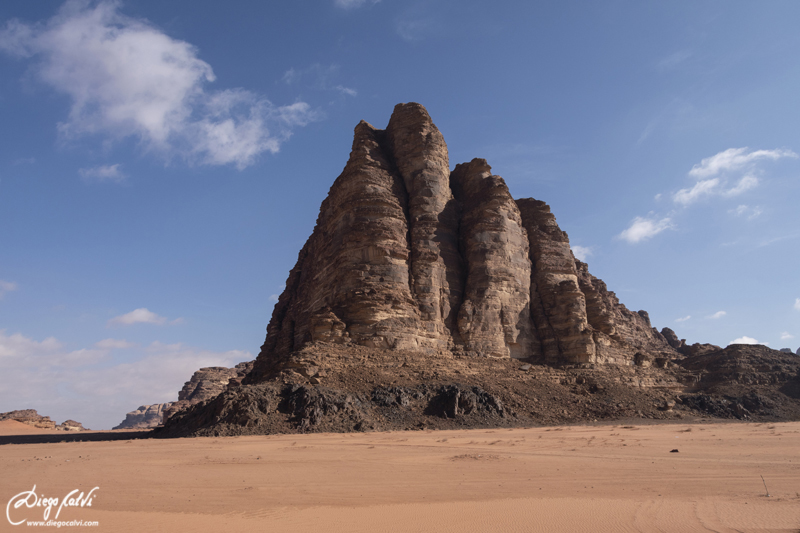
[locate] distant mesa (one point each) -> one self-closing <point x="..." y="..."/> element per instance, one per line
<point x="145" y="417"/>
<point x="34" y="419"/>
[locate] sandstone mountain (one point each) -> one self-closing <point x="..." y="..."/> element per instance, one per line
<point x="427" y="297"/>
<point x="407" y="255"/>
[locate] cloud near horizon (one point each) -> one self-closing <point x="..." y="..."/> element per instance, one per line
<point x="141" y="316"/>
<point x="126" y="78"/>
<point x="83" y="386"/>
<point x="747" y="340"/>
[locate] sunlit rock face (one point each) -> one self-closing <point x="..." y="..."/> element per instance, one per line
<point x="409" y="255"/>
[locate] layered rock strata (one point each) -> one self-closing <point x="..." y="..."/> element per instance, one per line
<point x="146" y="416"/>
<point x="407" y="255"/>
<point x="205" y="384"/>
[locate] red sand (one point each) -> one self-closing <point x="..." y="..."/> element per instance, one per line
<point x="599" y="478"/>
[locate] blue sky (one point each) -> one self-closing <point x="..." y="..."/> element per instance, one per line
<point x="162" y="163"/>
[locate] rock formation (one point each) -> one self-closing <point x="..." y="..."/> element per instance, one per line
<point x="32" y="418"/>
<point x="407" y="255"/>
<point x="426" y="297"/>
<point x="204" y="384"/>
<point x="146" y="416"/>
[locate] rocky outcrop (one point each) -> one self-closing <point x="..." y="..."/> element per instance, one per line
<point x="494" y="317"/>
<point x="205" y="384"/>
<point x="407" y="255"/>
<point x="71" y="425"/>
<point x="146" y="416"/>
<point x="32" y="418"/>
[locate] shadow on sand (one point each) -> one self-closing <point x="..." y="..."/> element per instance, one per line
<point x="80" y="436"/>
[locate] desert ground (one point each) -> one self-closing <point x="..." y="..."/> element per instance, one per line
<point x="607" y="477"/>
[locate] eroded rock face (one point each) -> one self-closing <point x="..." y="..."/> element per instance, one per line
<point x="407" y="255"/>
<point x="146" y="416"/>
<point x="30" y="417"/>
<point x="205" y="384"/>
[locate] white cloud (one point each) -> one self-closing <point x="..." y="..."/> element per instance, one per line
<point x="744" y="184"/>
<point x="734" y="159"/>
<point x="673" y="60"/>
<point x="141" y="316"/>
<point x="684" y="319"/>
<point x="273" y="297"/>
<point x="642" y="229"/>
<point x="785" y="336"/>
<point x="127" y="78"/>
<point x="102" y="173"/>
<point x="414" y="29"/>
<point x="319" y="77"/>
<point x="746" y="211"/>
<point x="718" y="314"/>
<point x="346" y="90"/>
<point x="82" y="385"/>
<point x="700" y="189"/>
<point x="581" y="252"/>
<point x="797" y="304"/>
<point x="747" y="340"/>
<point x="352" y="4"/>
<point x="113" y="344"/>
<point x="7" y="286"/>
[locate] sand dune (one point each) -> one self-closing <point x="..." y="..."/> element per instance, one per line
<point x="598" y="478"/>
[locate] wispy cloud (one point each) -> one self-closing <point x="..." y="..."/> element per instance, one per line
<point x="126" y="78"/>
<point x="141" y="316"/>
<point x="747" y="340"/>
<point x="103" y="173"/>
<point x="319" y="77"/>
<point x="673" y="60"/>
<point x="273" y="297"/>
<point x="734" y="159"/>
<point x="700" y="189"/>
<point x="683" y="319"/>
<point x="353" y="4"/>
<point x="717" y="315"/>
<point x="797" y="304"/>
<point x="581" y="253"/>
<point x="748" y="212"/>
<point x="785" y="336"/>
<point x="113" y="344"/>
<point x="7" y="286"/>
<point x="642" y="229"/>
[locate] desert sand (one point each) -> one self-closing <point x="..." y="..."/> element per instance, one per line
<point x="568" y="478"/>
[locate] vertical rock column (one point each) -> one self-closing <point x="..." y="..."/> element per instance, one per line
<point x="558" y="305"/>
<point x="436" y="277"/>
<point x="494" y="318"/>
